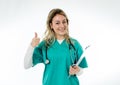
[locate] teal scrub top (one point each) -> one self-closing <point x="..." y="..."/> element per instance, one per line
<point x="57" y="71"/>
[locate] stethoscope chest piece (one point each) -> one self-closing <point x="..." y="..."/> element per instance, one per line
<point x="47" y="61"/>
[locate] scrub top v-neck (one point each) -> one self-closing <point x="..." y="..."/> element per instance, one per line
<point x="57" y="71"/>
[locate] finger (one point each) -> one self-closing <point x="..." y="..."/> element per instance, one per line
<point x="36" y="35"/>
<point x="72" y="72"/>
<point x="38" y="40"/>
<point x="71" y="69"/>
<point x="75" y="67"/>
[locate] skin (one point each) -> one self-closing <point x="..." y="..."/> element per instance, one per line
<point x="35" y="40"/>
<point x="59" y="25"/>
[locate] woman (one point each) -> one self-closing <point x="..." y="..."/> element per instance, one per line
<point x="58" y="51"/>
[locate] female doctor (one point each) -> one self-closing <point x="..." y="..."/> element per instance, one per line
<point x="58" y="51"/>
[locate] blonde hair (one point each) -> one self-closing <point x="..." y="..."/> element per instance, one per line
<point x="49" y="33"/>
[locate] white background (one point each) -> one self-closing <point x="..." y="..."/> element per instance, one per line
<point x="94" y="22"/>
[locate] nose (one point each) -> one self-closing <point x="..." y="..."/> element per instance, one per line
<point x="62" y="25"/>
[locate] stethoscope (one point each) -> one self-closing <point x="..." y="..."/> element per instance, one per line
<point x="72" y="50"/>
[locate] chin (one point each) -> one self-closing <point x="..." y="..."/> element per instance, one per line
<point x="63" y="33"/>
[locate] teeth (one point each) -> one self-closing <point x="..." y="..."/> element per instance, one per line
<point x="62" y="30"/>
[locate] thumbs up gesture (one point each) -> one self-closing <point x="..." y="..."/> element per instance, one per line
<point x="35" y="40"/>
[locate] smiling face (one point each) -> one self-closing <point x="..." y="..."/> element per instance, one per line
<point x="60" y="26"/>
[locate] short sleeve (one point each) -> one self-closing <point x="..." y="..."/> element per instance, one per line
<point x="79" y="49"/>
<point x="37" y="56"/>
<point x="83" y="63"/>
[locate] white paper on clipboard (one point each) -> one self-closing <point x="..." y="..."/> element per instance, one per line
<point x="82" y="56"/>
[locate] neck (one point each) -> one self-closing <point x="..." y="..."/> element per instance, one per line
<point x="60" y="37"/>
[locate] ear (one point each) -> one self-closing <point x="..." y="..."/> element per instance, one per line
<point x="51" y="25"/>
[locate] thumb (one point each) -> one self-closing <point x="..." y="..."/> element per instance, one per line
<point x="36" y="35"/>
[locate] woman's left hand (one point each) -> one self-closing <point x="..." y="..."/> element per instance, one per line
<point x="74" y="70"/>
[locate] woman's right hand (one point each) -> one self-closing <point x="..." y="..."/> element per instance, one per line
<point x="35" y="40"/>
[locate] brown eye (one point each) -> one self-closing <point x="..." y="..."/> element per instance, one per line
<point x="64" y="22"/>
<point x="57" y="23"/>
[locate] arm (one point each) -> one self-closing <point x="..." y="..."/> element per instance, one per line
<point x="80" y="72"/>
<point x="28" y="56"/>
<point x="78" y="68"/>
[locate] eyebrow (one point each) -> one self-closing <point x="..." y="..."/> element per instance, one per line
<point x="62" y="20"/>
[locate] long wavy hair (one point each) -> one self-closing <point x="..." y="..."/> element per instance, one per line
<point x="49" y="33"/>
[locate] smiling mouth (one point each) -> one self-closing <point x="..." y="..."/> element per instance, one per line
<point x="62" y="30"/>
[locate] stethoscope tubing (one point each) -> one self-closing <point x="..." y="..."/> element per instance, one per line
<point x="47" y="61"/>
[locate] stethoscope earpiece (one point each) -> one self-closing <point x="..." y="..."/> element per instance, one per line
<point x="47" y="61"/>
